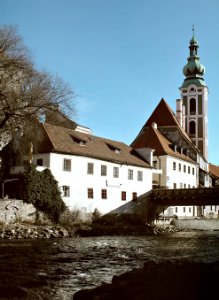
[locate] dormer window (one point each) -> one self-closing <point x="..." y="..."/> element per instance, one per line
<point x="113" y="148"/>
<point x="78" y="141"/>
<point x="117" y="151"/>
<point x="173" y="147"/>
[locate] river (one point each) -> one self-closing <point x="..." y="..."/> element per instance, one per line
<point x="57" y="268"/>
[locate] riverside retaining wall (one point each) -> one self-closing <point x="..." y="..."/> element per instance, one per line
<point x="198" y="224"/>
<point x="13" y="210"/>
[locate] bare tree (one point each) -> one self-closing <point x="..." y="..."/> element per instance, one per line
<point x="25" y="93"/>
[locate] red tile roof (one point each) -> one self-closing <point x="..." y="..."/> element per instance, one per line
<point x="157" y="139"/>
<point x="214" y="170"/>
<point x="65" y="140"/>
<point x="162" y="115"/>
<point x="154" y="139"/>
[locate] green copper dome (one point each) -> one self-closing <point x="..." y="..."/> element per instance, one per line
<point x="193" y="70"/>
<point x="193" y="41"/>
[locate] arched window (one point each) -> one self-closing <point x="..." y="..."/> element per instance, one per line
<point x="192" y="106"/>
<point x="192" y="128"/>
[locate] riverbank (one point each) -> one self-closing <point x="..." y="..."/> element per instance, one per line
<point x="33" y="231"/>
<point x="163" y="280"/>
<point x="132" y="228"/>
<point x="30" y="231"/>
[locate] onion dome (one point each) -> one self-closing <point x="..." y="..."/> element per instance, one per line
<point x="193" y="41"/>
<point x="193" y="70"/>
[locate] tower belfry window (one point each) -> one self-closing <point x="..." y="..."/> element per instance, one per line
<point x="192" y="130"/>
<point x="192" y="106"/>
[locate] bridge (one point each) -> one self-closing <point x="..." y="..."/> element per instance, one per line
<point x="147" y="206"/>
<point x="185" y="197"/>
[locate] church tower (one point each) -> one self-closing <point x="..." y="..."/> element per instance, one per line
<point x="194" y="100"/>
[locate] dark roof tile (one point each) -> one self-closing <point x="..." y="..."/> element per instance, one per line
<point x="65" y="140"/>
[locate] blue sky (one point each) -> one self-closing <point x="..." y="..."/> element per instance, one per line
<point x="121" y="56"/>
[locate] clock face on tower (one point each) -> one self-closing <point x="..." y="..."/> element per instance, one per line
<point x="192" y="89"/>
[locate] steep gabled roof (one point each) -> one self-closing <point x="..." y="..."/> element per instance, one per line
<point x="68" y="141"/>
<point x="168" y="128"/>
<point x="150" y="137"/>
<point x="162" y="115"/>
<point x="165" y="118"/>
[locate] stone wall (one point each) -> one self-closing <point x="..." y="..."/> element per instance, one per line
<point x="13" y="210"/>
<point x="199" y="224"/>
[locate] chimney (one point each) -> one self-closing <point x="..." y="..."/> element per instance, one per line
<point x="154" y="125"/>
<point x="179" y="111"/>
<point x="183" y="117"/>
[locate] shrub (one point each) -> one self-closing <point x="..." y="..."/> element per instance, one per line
<point x="70" y="219"/>
<point x="41" y="189"/>
<point x="96" y="215"/>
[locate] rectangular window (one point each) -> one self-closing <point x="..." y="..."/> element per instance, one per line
<point x="193" y="171"/>
<point x="66" y="191"/>
<point x="176" y="209"/>
<point x="90" y="193"/>
<point x="188" y="170"/>
<point x="174" y="165"/>
<point x="67" y="164"/>
<point x="90" y="168"/>
<point x="190" y="209"/>
<point x="179" y="167"/>
<point x="184" y="168"/>
<point x="130" y="174"/>
<point x="140" y="176"/>
<point x="174" y="186"/>
<point x="184" y="209"/>
<point x="134" y="196"/>
<point x="103" y="170"/>
<point x="115" y="172"/>
<point x="104" y="194"/>
<point x="39" y="162"/>
<point x="123" y="196"/>
<point x="155" y="164"/>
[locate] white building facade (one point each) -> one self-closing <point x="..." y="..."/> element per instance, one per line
<point x="176" y="174"/>
<point x="93" y="173"/>
<point x="88" y="184"/>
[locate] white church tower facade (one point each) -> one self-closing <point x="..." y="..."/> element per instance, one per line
<point x="192" y="109"/>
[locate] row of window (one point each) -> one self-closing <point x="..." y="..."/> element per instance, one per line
<point x="185" y="209"/>
<point x="213" y="208"/>
<point x="181" y="186"/>
<point x="103" y="170"/>
<point x="180" y="167"/>
<point x="189" y="209"/>
<point x="90" y="193"/>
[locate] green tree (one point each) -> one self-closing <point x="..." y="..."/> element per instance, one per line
<point x="41" y="189"/>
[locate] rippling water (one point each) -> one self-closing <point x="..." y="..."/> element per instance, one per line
<point x="56" y="269"/>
